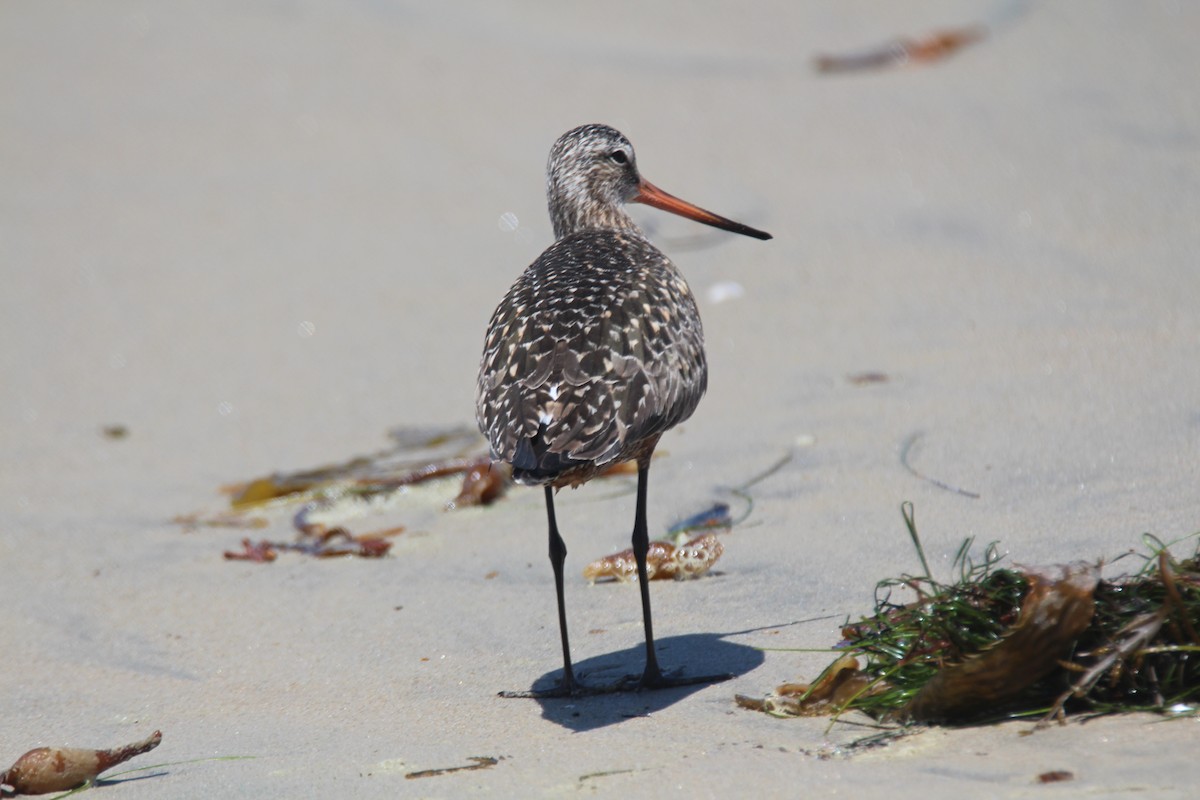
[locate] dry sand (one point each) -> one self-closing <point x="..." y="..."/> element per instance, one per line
<point x="261" y="235"/>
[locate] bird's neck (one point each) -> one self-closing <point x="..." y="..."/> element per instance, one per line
<point x="572" y="211"/>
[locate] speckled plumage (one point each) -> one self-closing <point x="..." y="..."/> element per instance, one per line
<point x="597" y="348"/>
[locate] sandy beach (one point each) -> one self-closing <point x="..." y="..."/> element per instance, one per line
<point x="237" y="238"/>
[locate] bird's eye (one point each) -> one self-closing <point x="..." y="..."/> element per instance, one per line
<point x="619" y="156"/>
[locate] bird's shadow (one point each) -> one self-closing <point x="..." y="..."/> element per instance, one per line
<point x="694" y="654"/>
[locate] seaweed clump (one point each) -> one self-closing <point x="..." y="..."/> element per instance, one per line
<point x="1001" y="642"/>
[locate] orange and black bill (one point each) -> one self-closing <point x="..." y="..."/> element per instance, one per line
<point x="651" y="195"/>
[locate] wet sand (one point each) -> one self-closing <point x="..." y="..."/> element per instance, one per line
<point x="261" y="236"/>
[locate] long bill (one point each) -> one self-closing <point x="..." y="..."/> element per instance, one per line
<point x="651" y="195"/>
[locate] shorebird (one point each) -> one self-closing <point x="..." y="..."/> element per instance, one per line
<point x="595" y="351"/>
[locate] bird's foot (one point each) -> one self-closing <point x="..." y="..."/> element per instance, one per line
<point x="567" y="686"/>
<point x="560" y="691"/>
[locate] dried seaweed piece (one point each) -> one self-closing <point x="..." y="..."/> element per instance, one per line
<point x="841" y="682"/>
<point x="262" y="490"/>
<point x="319" y="542"/>
<point x="483" y="483"/>
<point x="901" y="51"/>
<point x="663" y="560"/>
<point x="368" y="547"/>
<point x="418" y="455"/>
<point x="866" y="378"/>
<point x="1055" y="776"/>
<point x="261" y="553"/>
<point x="1054" y="612"/>
<point x="481" y="762"/>
<point x="59" y="769"/>
<point x="337" y="541"/>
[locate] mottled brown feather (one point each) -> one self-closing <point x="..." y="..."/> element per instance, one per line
<point x="596" y="349"/>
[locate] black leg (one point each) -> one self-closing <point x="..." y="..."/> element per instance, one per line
<point x="652" y="676"/>
<point x="558" y="555"/>
<point x="567" y="687"/>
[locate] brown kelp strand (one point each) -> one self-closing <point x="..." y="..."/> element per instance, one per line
<point x="60" y="769"/>
<point x="484" y="482"/>
<point x="477" y="762"/>
<point x="417" y="455"/>
<point x="902" y="51"/>
<point x="319" y="542"/>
